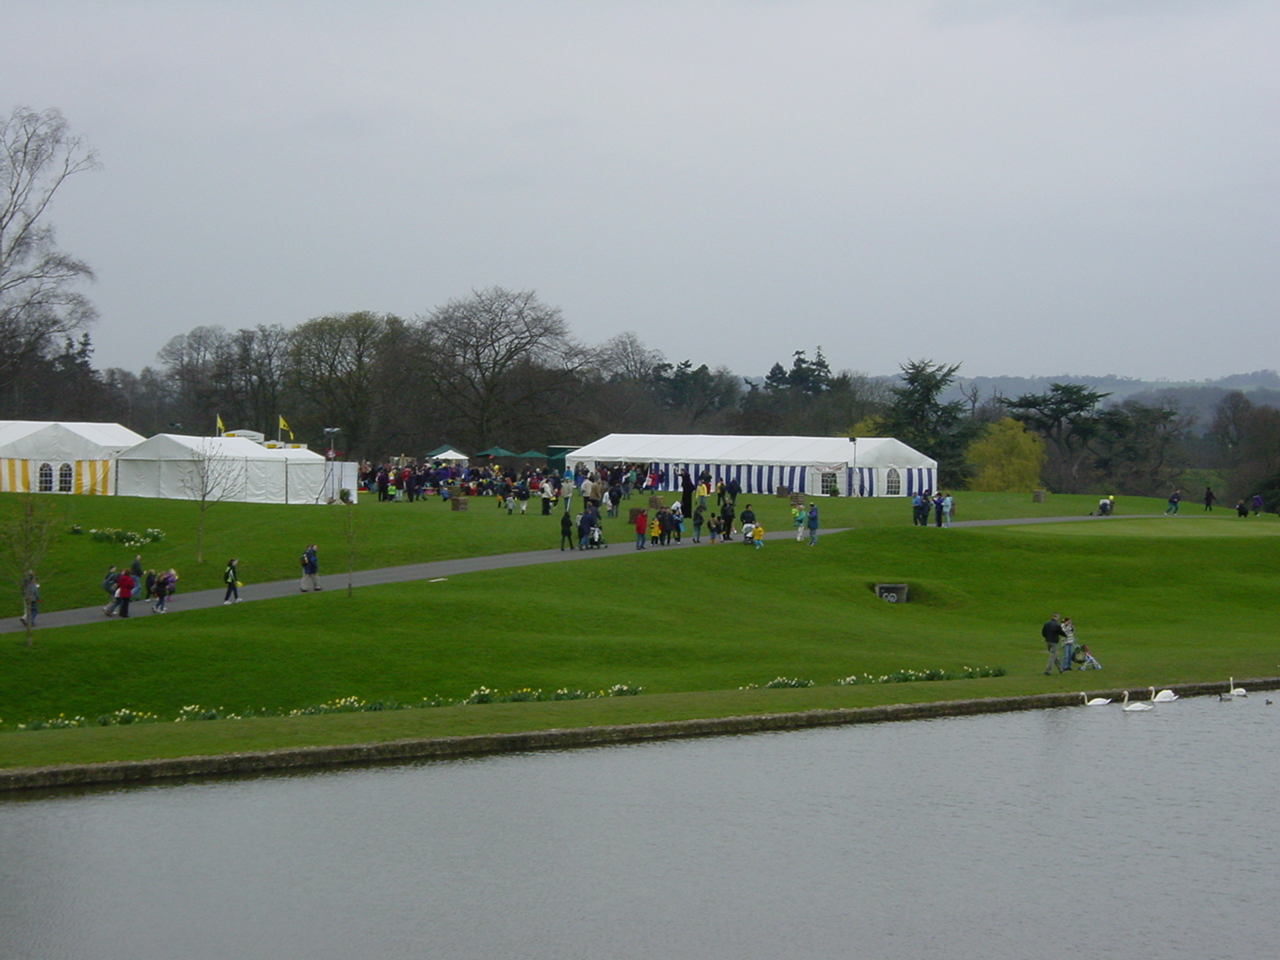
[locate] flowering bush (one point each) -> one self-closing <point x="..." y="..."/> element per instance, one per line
<point x="778" y="683"/>
<point x="912" y="676"/>
<point x="126" y="538"/>
<point x="194" y="711"/>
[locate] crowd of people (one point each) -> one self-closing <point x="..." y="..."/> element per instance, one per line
<point x="940" y="504"/>
<point x="132" y="583"/>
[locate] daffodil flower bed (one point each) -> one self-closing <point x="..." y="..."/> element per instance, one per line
<point x="898" y="676"/>
<point x="194" y="712"/>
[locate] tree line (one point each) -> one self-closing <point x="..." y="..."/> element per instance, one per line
<point x="500" y="368"/>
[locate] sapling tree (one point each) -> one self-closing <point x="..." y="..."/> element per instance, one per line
<point x="213" y="477"/>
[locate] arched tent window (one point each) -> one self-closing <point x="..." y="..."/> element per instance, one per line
<point x="66" y="476"/>
<point x="893" y="483"/>
<point x="46" y="479"/>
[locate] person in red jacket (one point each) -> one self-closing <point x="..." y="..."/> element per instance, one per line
<point x="642" y="529"/>
<point x="123" y="594"/>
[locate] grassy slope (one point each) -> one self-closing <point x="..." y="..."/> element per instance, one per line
<point x="1159" y="600"/>
<point x="267" y="539"/>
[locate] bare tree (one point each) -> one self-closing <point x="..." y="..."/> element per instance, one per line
<point x="506" y="363"/>
<point x="38" y="300"/>
<point x="213" y="478"/>
<point x="26" y="540"/>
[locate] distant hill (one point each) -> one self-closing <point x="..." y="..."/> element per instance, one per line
<point x="1198" y="397"/>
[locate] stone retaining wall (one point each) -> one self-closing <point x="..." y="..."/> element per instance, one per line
<point x="145" y="771"/>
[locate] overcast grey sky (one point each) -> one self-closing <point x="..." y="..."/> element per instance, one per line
<point x="1026" y="187"/>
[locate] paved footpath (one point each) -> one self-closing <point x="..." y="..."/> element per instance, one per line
<point x="202" y="599"/>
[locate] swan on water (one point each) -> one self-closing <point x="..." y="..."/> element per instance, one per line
<point x="1095" y="702"/>
<point x="1164" y="696"/>
<point x="1136" y="705"/>
<point x="1237" y="691"/>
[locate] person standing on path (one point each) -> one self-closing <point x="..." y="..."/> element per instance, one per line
<point x="135" y="571"/>
<point x="727" y="516"/>
<point x="1209" y="497"/>
<point x="30" y="600"/>
<point x="231" y="577"/>
<point x="566" y="530"/>
<point x="310" y="569"/>
<point x="812" y="523"/>
<point x="1052" y="633"/>
<point x="642" y="528"/>
<point x="948" y="507"/>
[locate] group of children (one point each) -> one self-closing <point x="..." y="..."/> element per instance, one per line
<point x="668" y="523"/>
<point x="133" y="583"/>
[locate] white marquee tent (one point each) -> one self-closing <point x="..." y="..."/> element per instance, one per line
<point x="865" y="467"/>
<point x="221" y="468"/>
<point x="67" y="457"/>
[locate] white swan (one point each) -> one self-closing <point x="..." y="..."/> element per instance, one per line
<point x="1237" y="691"/>
<point x="1095" y="702"/>
<point x="1135" y="706"/>
<point x="1164" y="696"/>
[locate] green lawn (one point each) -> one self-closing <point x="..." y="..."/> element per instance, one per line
<point x="267" y="539"/>
<point x="1160" y="600"/>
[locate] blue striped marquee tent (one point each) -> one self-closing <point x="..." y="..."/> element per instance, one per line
<point x="814" y="466"/>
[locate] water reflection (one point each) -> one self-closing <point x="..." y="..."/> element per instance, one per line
<point x="1069" y="831"/>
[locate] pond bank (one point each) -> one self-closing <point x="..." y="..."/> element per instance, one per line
<point x="149" y="771"/>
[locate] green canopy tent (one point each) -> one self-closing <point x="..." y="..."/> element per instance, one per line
<point x="533" y="455"/>
<point x="495" y="452"/>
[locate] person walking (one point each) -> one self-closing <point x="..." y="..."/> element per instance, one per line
<point x="124" y="595"/>
<point x="310" y="569"/>
<point x="1052" y="633"/>
<point x="231" y="577"/>
<point x="798" y="518"/>
<point x="948" y="507"/>
<point x="812" y="523"/>
<point x="1209" y="497"/>
<point x="166" y="583"/>
<point x="566" y="530"/>
<point x="1174" y="499"/>
<point x="109" y="584"/>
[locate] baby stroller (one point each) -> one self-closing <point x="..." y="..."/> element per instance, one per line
<point x="747" y="529"/>
<point x="1085" y="659"/>
<point x="596" y="538"/>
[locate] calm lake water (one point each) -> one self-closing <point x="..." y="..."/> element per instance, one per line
<point x="1079" y="832"/>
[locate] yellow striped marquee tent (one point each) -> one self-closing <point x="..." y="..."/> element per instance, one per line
<point x="61" y="457"/>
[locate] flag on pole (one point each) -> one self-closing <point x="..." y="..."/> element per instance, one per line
<point x="221" y="428"/>
<point x="285" y="427"/>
